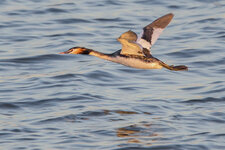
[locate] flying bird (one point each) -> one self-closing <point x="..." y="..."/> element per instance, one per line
<point x="136" y="51"/>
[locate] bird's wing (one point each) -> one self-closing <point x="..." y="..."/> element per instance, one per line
<point x="130" y="48"/>
<point x="129" y="45"/>
<point x="152" y="31"/>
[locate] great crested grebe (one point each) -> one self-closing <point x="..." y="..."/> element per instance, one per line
<point x="135" y="50"/>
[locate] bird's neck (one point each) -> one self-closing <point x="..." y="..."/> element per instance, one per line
<point x="100" y="55"/>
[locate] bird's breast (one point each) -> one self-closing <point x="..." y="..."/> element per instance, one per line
<point x="136" y="62"/>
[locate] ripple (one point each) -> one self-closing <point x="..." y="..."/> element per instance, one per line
<point x="74" y="118"/>
<point x="69" y="118"/>
<point x="65" y="76"/>
<point x="205" y="100"/>
<point x="121" y="112"/>
<point x="100" y="75"/>
<point x="109" y="20"/>
<point x="72" y="20"/>
<point x="188" y="53"/>
<point x="215" y="91"/>
<point x="208" y="20"/>
<point x="193" y="88"/>
<point x="167" y="147"/>
<point x="56" y="10"/>
<point x="181" y="54"/>
<point x="33" y="59"/>
<point x="53" y="101"/>
<point x="70" y="34"/>
<point x="23" y="129"/>
<point x="8" y="106"/>
<point x="175" y="7"/>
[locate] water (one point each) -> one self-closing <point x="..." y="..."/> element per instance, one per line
<point x="51" y="101"/>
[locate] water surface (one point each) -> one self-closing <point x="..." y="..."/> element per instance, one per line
<point x="52" y="101"/>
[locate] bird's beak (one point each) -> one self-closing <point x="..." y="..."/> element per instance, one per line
<point x="66" y="52"/>
<point x="62" y="53"/>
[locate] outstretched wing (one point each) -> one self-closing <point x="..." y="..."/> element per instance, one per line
<point x="129" y="45"/>
<point x="152" y="31"/>
<point x="130" y="48"/>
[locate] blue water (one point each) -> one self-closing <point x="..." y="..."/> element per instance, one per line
<point x="51" y="101"/>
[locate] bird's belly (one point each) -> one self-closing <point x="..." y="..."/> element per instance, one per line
<point x="137" y="63"/>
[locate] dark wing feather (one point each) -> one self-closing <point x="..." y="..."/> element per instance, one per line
<point x="152" y="31"/>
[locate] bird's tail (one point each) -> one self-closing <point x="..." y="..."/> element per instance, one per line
<point x="175" y="68"/>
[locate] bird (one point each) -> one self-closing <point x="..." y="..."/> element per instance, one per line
<point x="136" y="50"/>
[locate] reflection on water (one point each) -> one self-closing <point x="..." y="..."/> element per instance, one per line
<point x="121" y="112"/>
<point x="140" y="134"/>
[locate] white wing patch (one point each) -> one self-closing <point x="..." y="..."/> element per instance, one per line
<point x="144" y="43"/>
<point x="156" y="34"/>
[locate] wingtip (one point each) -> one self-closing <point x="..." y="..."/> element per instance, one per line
<point x="169" y="15"/>
<point x="162" y="22"/>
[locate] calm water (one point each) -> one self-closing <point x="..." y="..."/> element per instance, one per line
<point x="50" y="101"/>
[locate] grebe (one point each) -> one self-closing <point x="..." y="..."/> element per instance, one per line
<point x="135" y="50"/>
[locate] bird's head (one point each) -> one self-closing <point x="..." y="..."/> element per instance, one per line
<point x="77" y="50"/>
